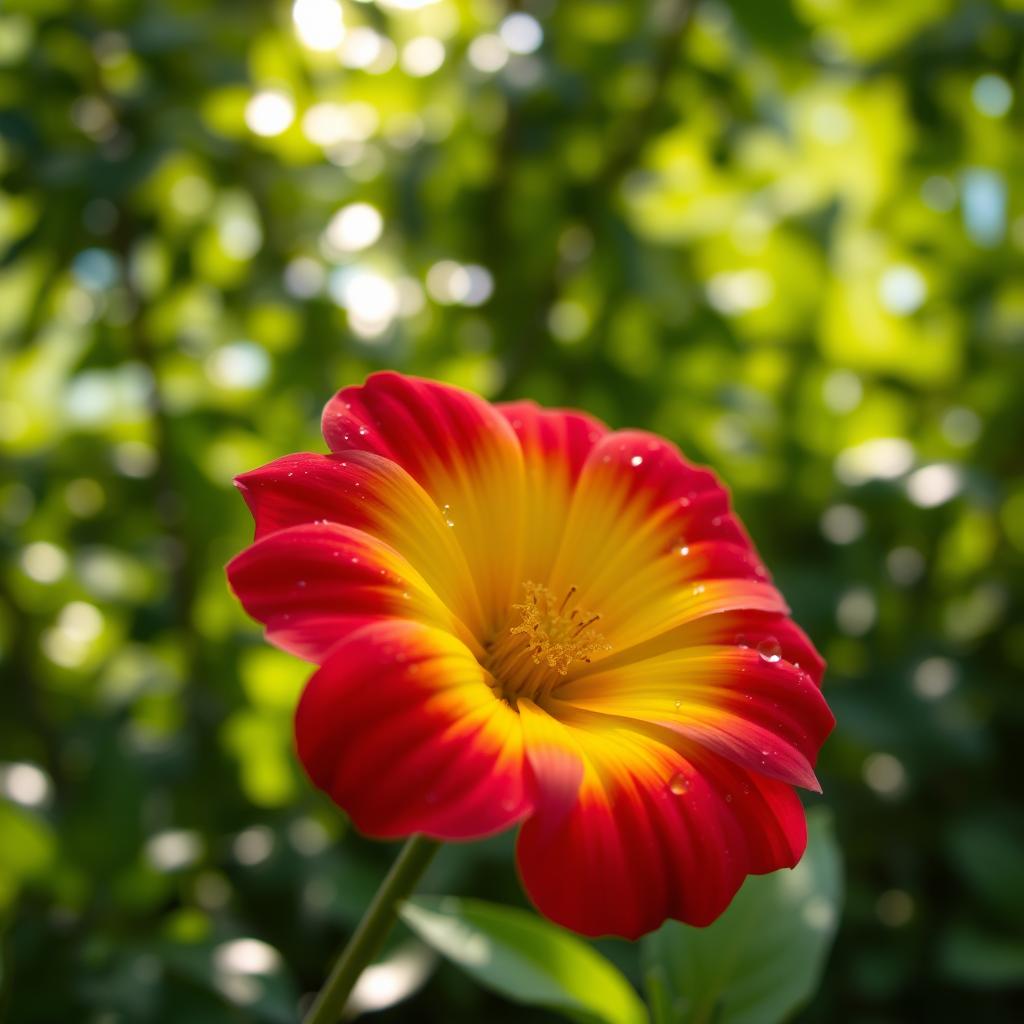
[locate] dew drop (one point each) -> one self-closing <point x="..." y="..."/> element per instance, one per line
<point x="698" y="589"/>
<point x="637" y="460"/>
<point x="446" y="511"/>
<point x="678" y="784"/>
<point x="770" y="650"/>
<point x="741" y="641"/>
<point x="728" y="798"/>
<point x="677" y="704"/>
<point x="684" y="550"/>
<point x="363" y="431"/>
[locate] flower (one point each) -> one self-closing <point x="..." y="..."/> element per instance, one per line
<point x="520" y="616"/>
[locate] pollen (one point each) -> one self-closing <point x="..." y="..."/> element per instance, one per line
<point x="557" y="632"/>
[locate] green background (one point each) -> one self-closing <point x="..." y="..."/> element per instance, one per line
<point x="788" y="236"/>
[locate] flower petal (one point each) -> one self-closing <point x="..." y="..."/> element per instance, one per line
<point x="662" y="828"/>
<point x="370" y="493"/>
<point x="651" y="544"/>
<point x="555" y="445"/>
<point x="311" y="585"/>
<point x="760" y="631"/>
<point x="402" y="729"/>
<point x="764" y="715"/>
<point x="464" y="455"/>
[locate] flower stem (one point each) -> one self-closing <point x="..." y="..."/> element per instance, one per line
<point x="368" y="938"/>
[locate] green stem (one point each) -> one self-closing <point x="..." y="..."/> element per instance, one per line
<point x="368" y="938"/>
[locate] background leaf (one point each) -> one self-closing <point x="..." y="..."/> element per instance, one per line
<point x="763" y="957"/>
<point x="525" y="958"/>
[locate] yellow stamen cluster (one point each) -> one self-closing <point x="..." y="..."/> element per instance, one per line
<point x="556" y="633"/>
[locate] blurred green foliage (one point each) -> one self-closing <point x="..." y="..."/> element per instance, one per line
<point x="788" y="236"/>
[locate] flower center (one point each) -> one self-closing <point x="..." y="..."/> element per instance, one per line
<point x="551" y="633"/>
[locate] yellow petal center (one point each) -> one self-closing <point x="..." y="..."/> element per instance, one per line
<point x="548" y="634"/>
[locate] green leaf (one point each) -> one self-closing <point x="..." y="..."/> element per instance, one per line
<point x="526" y="959"/>
<point x="980" y="959"/>
<point x="763" y="957"/>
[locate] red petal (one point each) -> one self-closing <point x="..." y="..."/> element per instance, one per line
<point x="312" y="585"/>
<point x="556" y="440"/>
<point x="465" y="456"/>
<point x="401" y="728"/>
<point x="651" y="544"/>
<point x="372" y="494"/>
<point x="661" y="829"/>
<point x="555" y="446"/>
<point x="766" y="716"/>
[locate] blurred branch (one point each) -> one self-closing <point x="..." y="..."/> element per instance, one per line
<point x="19" y="668"/>
<point x="623" y="154"/>
<point x="168" y="509"/>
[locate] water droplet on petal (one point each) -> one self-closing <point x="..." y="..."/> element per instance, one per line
<point x="678" y="784"/>
<point x="684" y="550"/>
<point x="728" y="798"/>
<point x="677" y="704"/>
<point x="637" y="460"/>
<point x="363" y="431"/>
<point x="770" y="650"/>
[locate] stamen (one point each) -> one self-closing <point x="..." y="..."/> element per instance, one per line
<point x="553" y="637"/>
<point x="583" y="625"/>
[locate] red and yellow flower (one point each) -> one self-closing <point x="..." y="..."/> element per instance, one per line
<point x="520" y="616"/>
